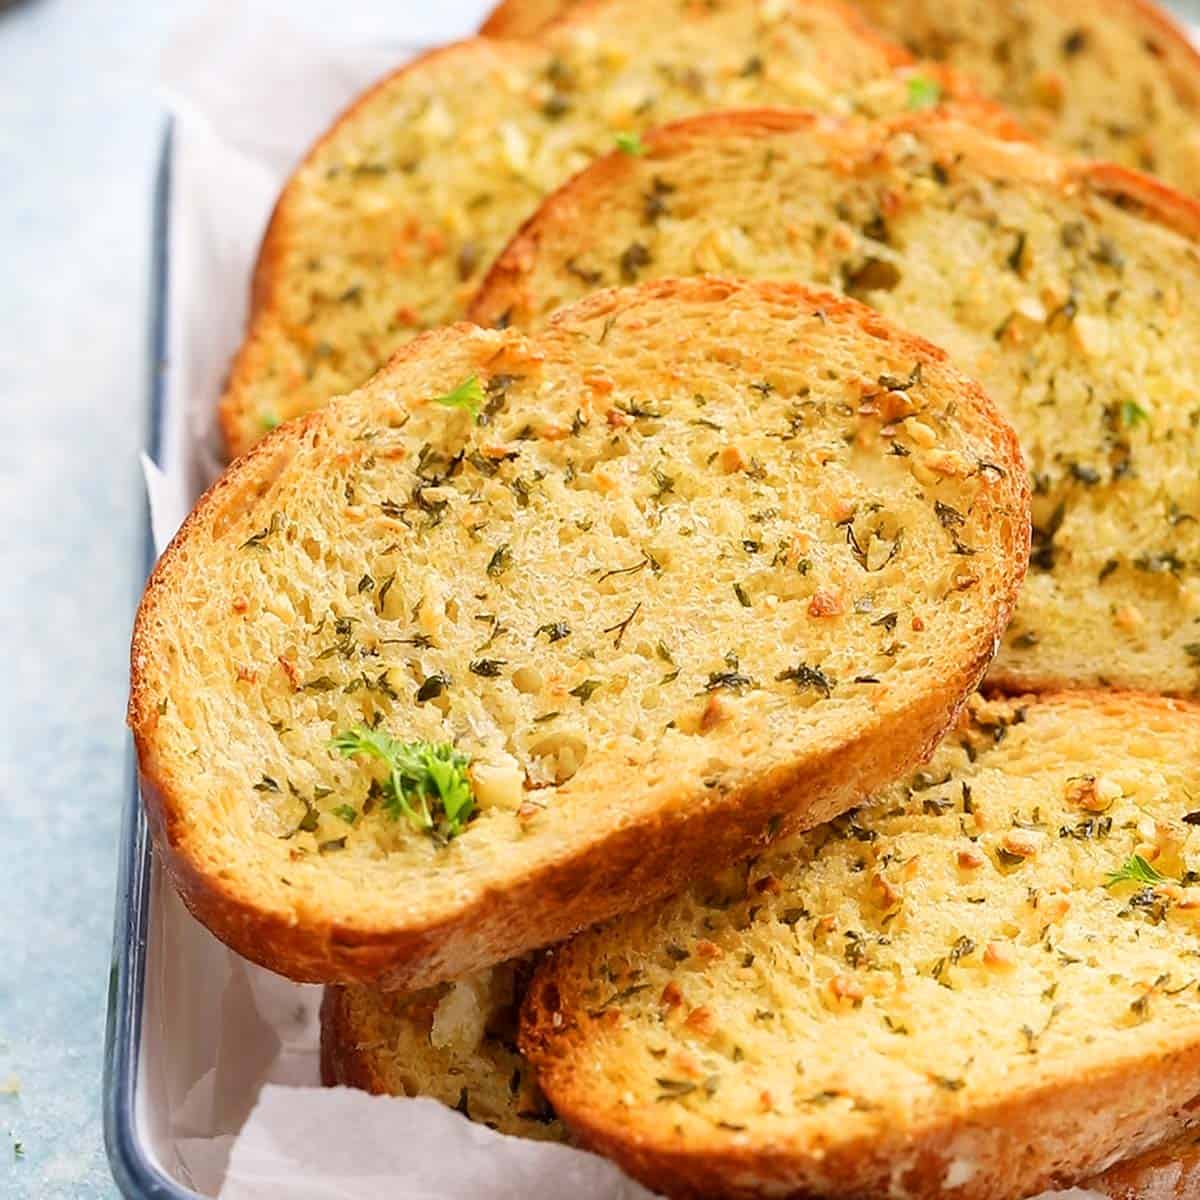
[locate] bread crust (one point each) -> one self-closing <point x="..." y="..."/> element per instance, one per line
<point x="266" y="277"/>
<point x="342" y="1062"/>
<point x="591" y="882"/>
<point x="1179" y="54"/>
<point x="1062" y="1134"/>
<point x="1165" y="1168"/>
<point x="524" y="18"/>
<point x="503" y="289"/>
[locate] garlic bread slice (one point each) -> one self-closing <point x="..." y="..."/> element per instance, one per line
<point x="983" y="985"/>
<point x="532" y="628"/>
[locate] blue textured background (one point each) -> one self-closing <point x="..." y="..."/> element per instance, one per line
<point x="80" y="128"/>
<point x="80" y="125"/>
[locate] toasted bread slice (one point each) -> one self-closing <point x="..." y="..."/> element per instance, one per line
<point x="1114" y="79"/>
<point x="1110" y="79"/>
<point x="387" y="226"/>
<point x="457" y="1043"/>
<point x="684" y="586"/>
<point x="983" y="986"/>
<point x="1071" y="290"/>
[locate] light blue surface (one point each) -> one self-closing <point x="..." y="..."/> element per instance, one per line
<point x="80" y="124"/>
<point x="80" y="127"/>
<point x="78" y="130"/>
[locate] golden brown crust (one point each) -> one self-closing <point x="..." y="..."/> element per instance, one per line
<point x="631" y="865"/>
<point x="268" y="279"/>
<point x="1053" y="1138"/>
<point x="1148" y="197"/>
<point x="265" y="278"/>
<point x="504" y="288"/>
<point x="1182" y="58"/>
<point x="523" y="18"/>
<point x="1060" y="1134"/>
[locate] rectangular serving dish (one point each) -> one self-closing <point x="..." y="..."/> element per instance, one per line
<point x="133" y="1156"/>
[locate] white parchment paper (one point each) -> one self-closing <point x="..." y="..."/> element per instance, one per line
<point x="229" y="1095"/>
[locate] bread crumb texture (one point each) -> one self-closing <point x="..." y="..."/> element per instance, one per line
<point x="1063" y="69"/>
<point x="964" y="985"/>
<point x="456" y="1042"/>
<point x="1116" y="81"/>
<point x="1072" y="294"/>
<point x="682" y="548"/>
<point x="388" y="225"/>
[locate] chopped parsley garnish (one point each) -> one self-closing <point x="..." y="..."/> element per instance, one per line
<point x="732" y="680"/>
<point x="1135" y="869"/>
<point x="923" y="93"/>
<point x="427" y="782"/>
<point x="630" y="143"/>
<point x="433" y="687"/>
<point x="1132" y="413"/>
<point x="500" y="561"/>
<point x="583" y="691"/>
<point x="468" y="396"/>
<point x="804" y="676"/>
<point x="257" y="539"/>
<point x="489" y="668"/>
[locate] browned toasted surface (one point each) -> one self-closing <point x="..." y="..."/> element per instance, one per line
<point x="1113" y="79"/>
<point x="1045" y="278"/>
<point x="524" y="18"/>
<point x="773" y="604"/>
<point x="456" y="1043"/>
<point x="972" y="988"/>
<point x="387" y="226"/>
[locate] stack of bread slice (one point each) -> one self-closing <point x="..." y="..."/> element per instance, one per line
<point x="960" y="990"/>
<point x="588" y="695"/>
<point x="1070" y="290"/>
<point x="387" y="226"/>
<point x="1116" y="81"/>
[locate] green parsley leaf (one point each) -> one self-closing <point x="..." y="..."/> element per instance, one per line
<point x="347" y="812"/>
<point x="923" y="93"/>
<point x="630" y="143"/>
<point x="1135" y="869"/>
<point x="1132" y="413"/>
<point x="268" y="421"/>
<point x="583" y="691"/>
<point x="427" y="782"/>
<point x="468" y="396"/>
